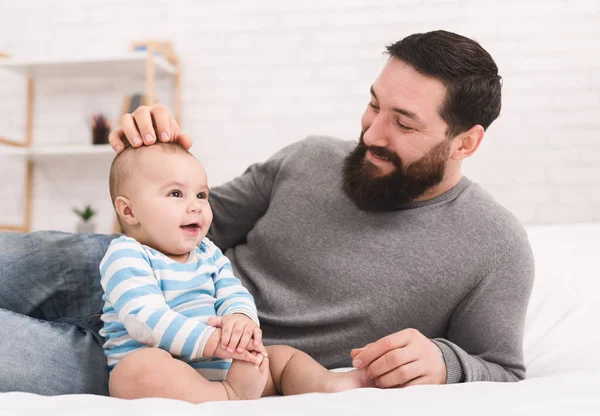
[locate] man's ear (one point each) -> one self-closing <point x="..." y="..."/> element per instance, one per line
<point x="125" y="210"/>
<point x="468" y="142"/>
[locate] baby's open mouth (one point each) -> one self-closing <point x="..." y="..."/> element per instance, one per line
<point x="191" y="227"/>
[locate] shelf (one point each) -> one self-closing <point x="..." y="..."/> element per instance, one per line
<point x="43" y="152"/>
<point x="156" y="61"/>
<point x="131" y="65"/>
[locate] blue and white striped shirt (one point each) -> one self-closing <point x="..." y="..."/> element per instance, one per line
<point x="152" y="300"/>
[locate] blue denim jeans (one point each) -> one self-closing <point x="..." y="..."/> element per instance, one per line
<point x="50" y="306"/>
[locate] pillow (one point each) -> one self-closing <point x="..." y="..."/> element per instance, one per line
<point x="561" y="328"/>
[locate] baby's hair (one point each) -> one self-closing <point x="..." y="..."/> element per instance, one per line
<point x="122" y="167"/>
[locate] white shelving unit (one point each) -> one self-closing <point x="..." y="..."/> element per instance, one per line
<point x="37" y="153"/>
<point x="156" y="61"/>
<point x="132" y="65"/>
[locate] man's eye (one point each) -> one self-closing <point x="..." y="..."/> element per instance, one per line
<point x="202" y="195"/>
<point x="403" y="127"/>
<point x="373" y="106"/>
<point x="176" y="194"/>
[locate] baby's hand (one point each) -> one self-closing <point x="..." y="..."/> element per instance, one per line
<point x="213" y="349"/>
<point x="239" y="333"/>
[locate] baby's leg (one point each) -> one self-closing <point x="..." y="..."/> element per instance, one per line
<point x="295" y="372"/>
<point x="246" y="380"/>
<point x="152" y="372"/>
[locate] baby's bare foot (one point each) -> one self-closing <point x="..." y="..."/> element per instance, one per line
<point x="354" y="379"/>
<point x="245" y="380"/>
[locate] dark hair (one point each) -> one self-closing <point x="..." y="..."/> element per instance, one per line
<point x="468" y="72"/>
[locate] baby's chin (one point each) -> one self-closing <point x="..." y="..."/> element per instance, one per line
<point x="179" y="252"/>
<point x="190" y="243"/>
<point x="176" y="249"/>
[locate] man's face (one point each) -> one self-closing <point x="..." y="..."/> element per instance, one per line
<point x="403" y="149"/>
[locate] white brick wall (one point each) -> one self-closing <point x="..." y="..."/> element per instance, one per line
<point x="261" y="74"/>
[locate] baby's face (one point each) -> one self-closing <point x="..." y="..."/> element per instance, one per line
<point x="170" y="201"/>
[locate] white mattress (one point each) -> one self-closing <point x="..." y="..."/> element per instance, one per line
<point x="573" y="393"/>
<point x="562" y="353"/>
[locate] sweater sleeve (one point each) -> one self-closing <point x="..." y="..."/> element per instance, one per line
<point x="240" y="203"/>
<point x="131" y="288"/>
<point x="485" y="337"/>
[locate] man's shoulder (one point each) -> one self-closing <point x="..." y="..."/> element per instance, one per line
<point x="489" y="218"/>
<point x="319" y="146"/>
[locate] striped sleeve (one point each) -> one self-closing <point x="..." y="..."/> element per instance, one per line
<point x="132" y="289"/>
<point x="231" y="296"/>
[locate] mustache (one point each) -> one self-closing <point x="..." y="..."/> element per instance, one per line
<point x="380" y="152"/>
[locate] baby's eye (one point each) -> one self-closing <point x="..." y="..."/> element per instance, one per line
<point x="202" y="195"/>
<point x="176" y="194"/>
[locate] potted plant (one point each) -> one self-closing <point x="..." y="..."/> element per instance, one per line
<point x="85" y="224"/>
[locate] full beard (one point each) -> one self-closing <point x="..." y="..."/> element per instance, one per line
<point x="371" y="191"/>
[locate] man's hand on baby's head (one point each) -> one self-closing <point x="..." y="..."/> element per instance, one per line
<point x="145" y="125"/>
<point x="239" y="333"/>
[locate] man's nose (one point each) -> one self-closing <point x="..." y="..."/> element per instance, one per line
<point x="376" y="133"/>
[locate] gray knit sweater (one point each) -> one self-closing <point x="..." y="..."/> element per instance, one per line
<point x="327" y="277"/>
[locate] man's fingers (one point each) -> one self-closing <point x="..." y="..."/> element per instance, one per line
<point x="380" y="347"/>
<point x="166" y="128"/>
<point x="355" y="352"/>
<point x="400" y="376"/>
<point x="184" y="140"/>
<point x="389" y="361"/>
<point x="115" y="138"/>
<point x="163" y="122"/>
<point x="130" y="130"/>
<point x="417" y="381"/>
<point x="145" y="125"/>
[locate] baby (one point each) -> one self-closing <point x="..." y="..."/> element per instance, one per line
<point x="177" y="322"/>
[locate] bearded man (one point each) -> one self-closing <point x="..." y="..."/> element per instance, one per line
<point x="381" y="254"/>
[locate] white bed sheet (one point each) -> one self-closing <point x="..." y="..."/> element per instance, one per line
<point x="573" y="393"/>
<point x="561" y="346"/>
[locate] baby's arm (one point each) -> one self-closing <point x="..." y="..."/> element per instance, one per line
<point x="231" y="296"/>
<point x="234" y="301"/>
<point x="131" y="288"/>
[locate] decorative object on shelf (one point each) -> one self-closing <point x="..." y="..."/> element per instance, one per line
<point x="100" y="129"/>
<point x="164" y="48"/>
<point x="148" y="61"/>
<point x="85" y="215"/>
<point x="132" y="102"/>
